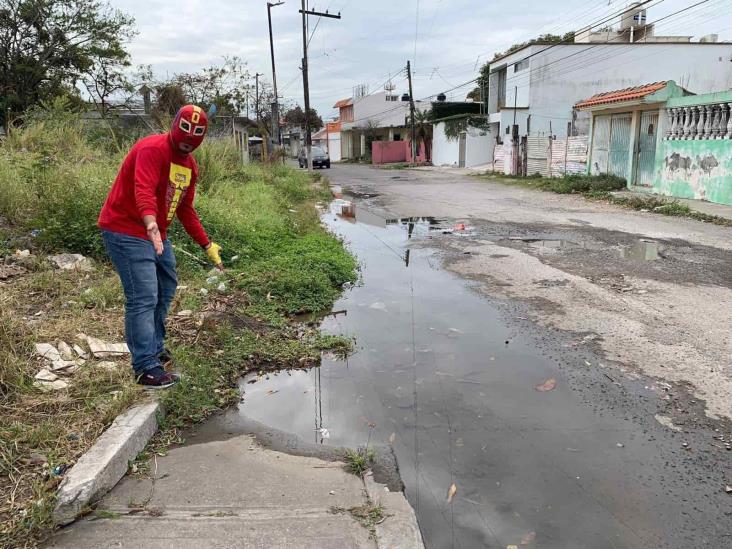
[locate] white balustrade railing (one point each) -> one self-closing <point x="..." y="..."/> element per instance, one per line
<point x="712" y="121"/>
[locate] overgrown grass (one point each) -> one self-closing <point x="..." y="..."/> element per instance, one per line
<point x="601" y="187"/>
<point x="54" y="177"/>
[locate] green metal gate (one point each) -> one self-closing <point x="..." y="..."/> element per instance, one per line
<point x="611" y="144"/>
<point x="646" y="154"/>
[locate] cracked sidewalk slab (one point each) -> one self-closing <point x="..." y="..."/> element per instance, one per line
<point x="230" y="493"/>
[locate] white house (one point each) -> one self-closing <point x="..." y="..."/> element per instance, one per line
<point x="537" y="86"/>
<point x="380" y="116"/>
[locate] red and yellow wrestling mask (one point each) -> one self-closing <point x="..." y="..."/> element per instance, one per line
<point x="188" y="129"/>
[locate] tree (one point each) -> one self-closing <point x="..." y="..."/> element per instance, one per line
<point x="227" y="86"/>
<point x="475" y="93"/>
<point x="296" y="117"/>
<point x="47" y="45"/>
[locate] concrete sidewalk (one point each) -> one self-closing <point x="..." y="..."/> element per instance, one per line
<point x="230" y="493"/>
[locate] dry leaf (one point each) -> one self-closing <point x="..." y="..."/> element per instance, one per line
<point x="451" y="493"/>
<point x="392" y="438"/>
<point x="548" y="385"/>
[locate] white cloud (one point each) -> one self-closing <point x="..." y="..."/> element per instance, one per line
<point x="374" y="37"/>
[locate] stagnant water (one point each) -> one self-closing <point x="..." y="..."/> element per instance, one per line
<point x="441" y="374"/>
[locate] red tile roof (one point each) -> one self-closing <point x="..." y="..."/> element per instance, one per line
<point x="628" y="94"/>
<point x="343" y="103"/>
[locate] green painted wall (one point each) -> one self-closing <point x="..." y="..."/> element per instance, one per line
<point x="695" y="169"/>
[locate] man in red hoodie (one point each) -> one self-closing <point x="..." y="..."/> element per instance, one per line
<point x="156" y="183"/>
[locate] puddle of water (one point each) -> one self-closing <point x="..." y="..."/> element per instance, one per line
<point x="642" y="250"/>
<point x="440" y="374"/>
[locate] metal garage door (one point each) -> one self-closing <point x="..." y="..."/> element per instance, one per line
<point x="600" y="144"/>
<point x="611" y="144"/>
<point x="619" y="145"/>
<point x="646" y="148"/>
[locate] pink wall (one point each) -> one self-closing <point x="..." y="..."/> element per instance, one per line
<point x="421" y="153"/>
<point x="385" y="152"/>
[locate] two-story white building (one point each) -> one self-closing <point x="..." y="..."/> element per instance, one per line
<point x="380" y="116"/>
<point x="536" y="87"/>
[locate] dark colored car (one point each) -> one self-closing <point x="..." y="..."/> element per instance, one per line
<point x="320" y="158"/>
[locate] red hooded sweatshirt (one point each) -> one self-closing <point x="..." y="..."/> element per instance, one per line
<point x="154" y="180"/>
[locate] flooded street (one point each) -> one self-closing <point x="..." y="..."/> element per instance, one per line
<point x="546" y="445"/>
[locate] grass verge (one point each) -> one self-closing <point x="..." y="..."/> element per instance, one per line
<point x="601" y="187"/>
<point x="279" y="262"/>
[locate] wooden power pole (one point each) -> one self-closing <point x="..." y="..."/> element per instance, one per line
<point x="305" y="82"/>
<point x="411" y="114"/>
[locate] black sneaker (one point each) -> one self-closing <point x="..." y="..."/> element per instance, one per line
<point x="157" y="378"/>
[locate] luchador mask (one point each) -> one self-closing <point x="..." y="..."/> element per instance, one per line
<point x="189" y="128"/>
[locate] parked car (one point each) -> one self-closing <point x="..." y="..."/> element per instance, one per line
<point x="321" y="159"/>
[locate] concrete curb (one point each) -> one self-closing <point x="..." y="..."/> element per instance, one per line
<point x="400" y="530"/>
<point x="106" y="462"/>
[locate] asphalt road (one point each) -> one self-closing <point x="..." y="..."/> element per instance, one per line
<point x="562" y="365"/>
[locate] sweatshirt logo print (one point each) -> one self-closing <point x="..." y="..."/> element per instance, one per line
<point x="179" y="181"/>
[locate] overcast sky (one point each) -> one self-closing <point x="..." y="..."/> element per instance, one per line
<point x="446" y="40"/>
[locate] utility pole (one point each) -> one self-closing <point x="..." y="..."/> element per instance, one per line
<point x="275" y="105"/>
<point x="256" y="95"/>
<point x="305" y="83"/>
<point x="411" y="113"/>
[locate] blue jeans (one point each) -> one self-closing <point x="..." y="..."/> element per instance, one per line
<point x="149" y="282"/>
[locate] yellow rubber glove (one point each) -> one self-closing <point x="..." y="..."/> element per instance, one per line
<point x="213" y="252"/>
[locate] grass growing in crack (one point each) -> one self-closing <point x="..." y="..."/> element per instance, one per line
<point x="359" y="461"/>
<point x="279" y="260"/>
<point x="367" y="515"/>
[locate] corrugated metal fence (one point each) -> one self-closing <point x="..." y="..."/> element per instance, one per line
<point x="549" y="157"/>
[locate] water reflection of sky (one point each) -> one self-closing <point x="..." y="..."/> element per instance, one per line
<point x="432" y="354"/>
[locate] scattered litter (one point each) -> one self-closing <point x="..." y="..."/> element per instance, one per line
<point x="22" y="253"/>
<point x="184" y="313"/>
<point x="103" y="349"/>
<point x="512" y="547"/>
<point x="51" y="385"/>
<point x="324" y="432"/>
<point x="212" y="280"/>
<point x="273" y="391"/>
<point x="728" y="489"/>
<point x="107" y="365"/>
<point x="392" y="438"/>
<point x="528" y="538"/>
<point x="459" y="443"/>
<point x="221" y="287"/>
<point x="548" y="385"/>
<point x="332" y="492"/>
<point x="451" y="492"/>
<point x="459" y="227"/>
<point x="46" y="375"/>
<point x="204" y="291"/>
<point x="620" y="445"/>
<point x="181" y="288"/>
<point x="65" y="351"/>
<point x="48" y="351"/>
<point x="234" y="258"/>
<point x="71" y="262"/>
<point x="667" y="422"/>
<point x="79" y="351"/>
